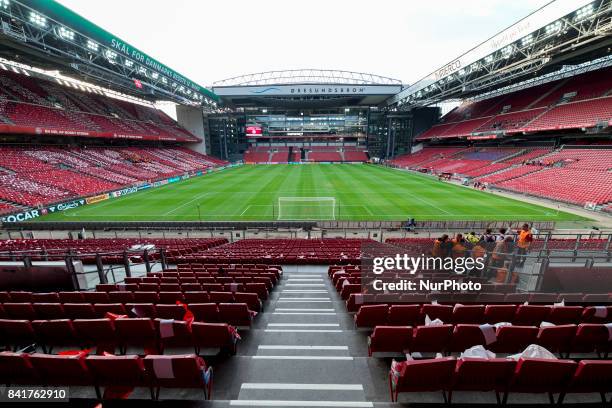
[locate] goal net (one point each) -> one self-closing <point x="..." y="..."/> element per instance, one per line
<point x="306" y="208"/>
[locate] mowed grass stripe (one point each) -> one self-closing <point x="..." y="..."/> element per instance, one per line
<point x="362" y="192"/>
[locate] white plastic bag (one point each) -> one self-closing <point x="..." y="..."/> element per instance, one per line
<point x="534" y="351"/>
<point x="477" y="352"/>
<point x="489" y="333"/>
<point x="436" y="322"/>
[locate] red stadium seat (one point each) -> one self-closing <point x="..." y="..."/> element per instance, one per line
<point x="404" y="315"/>
<point x="213" y="335"/>
<point x="179" y="371"/>
<point x="57" y="370"/>
<point x="431" y="338"/>
<point x="512" y="339"/>
<point x="423" y="376"/>
<point x="541" y="376"/>
<point x="16" y="333"/>
<point x="477" y="374"/>
<point x="390" y="339"/>
<point x="118" y="371"/>
<point x="371" y="316"/>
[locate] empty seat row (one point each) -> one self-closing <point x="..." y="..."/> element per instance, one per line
<point x="207" y="277"/>
<point x="502" y="376"/>
<point x="531" y="315"/>
<point x="237" y="314"/>
<point x="446" y="338"/>
<point x="191" y="286"/>
<point x="351" y="293"/>
<point x="252" y="298"/>
<point x="106" y="335"/>
<point x="225" y="266"/>
<point x="154" y="372"/>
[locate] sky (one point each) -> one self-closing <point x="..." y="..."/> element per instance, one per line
<point x="207" y="41"/>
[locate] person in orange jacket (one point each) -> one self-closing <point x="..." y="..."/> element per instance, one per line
<point x="525" y="238"/>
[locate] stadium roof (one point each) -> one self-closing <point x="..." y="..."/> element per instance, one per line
<point x="563" y="32"/>
<point x="302" y="88"/>
<point x="308" y="76"/>
<point x="46" y="34"/>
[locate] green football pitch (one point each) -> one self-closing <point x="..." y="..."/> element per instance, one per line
<point x="311" y="192"/>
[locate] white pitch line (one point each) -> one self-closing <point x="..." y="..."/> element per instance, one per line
<point x="304" y="291"/>
<point x="188" y="202"/>
<point x="303" y="324"/>
<point x="304" y="313"/>
<point x="337" y="348"/>
<point x="245" y="210"/>
<point x="338" y="358"/>
<point x="296" y="298"/>
<point x="302" y="331"/>
<point x="287" y="403"/>
<point x="312" y="387"/>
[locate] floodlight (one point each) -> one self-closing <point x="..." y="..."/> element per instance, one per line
<point x="507" y="51"/>
<point x="128" y="63"/>
<point x="65" y="33"/>
<point x="92" y="45"/>
<point x="553" y="28"/>
<point x="37" y="19"/>
<point x="4" y="4"/>
<point x="527" y="40"/>
<point x="111" y="56"/>
<point x="584" y="12"/>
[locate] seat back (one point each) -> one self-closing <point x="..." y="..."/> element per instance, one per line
<point x="542" y="375"/>
<point x="427" y="375"/>
<point x="372" y="315"/>
<point x="512" y="339"/>
<point x="479" y="374"/>
<point x="432" y="338"/>
<point x="470" y="314"/>
<point x="175" y="371"/>
<point x="94" y="331"/>
<point x="16" y="368"/>
<point x="117" y="370"/>
<point x="404" y="315"/>
<point x="61" y="370"/>
<point x="79" y="311"/>
<point x="592" y="376"/>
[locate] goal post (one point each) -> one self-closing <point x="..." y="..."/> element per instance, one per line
<point x="306" y="208"/>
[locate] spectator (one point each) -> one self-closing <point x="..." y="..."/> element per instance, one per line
<point x="410" y="224"/>
<point x="501" y="236"/>
<point x="458" y="247"/>
<point x="500" y="253"/>
<point x="478" y="251"/>
<point x="472" y="238"/>
<point x="525" y="238"/>
<point x="441" y="247"/>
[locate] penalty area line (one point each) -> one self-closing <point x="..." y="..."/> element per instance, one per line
<point x="188" y="202"/>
